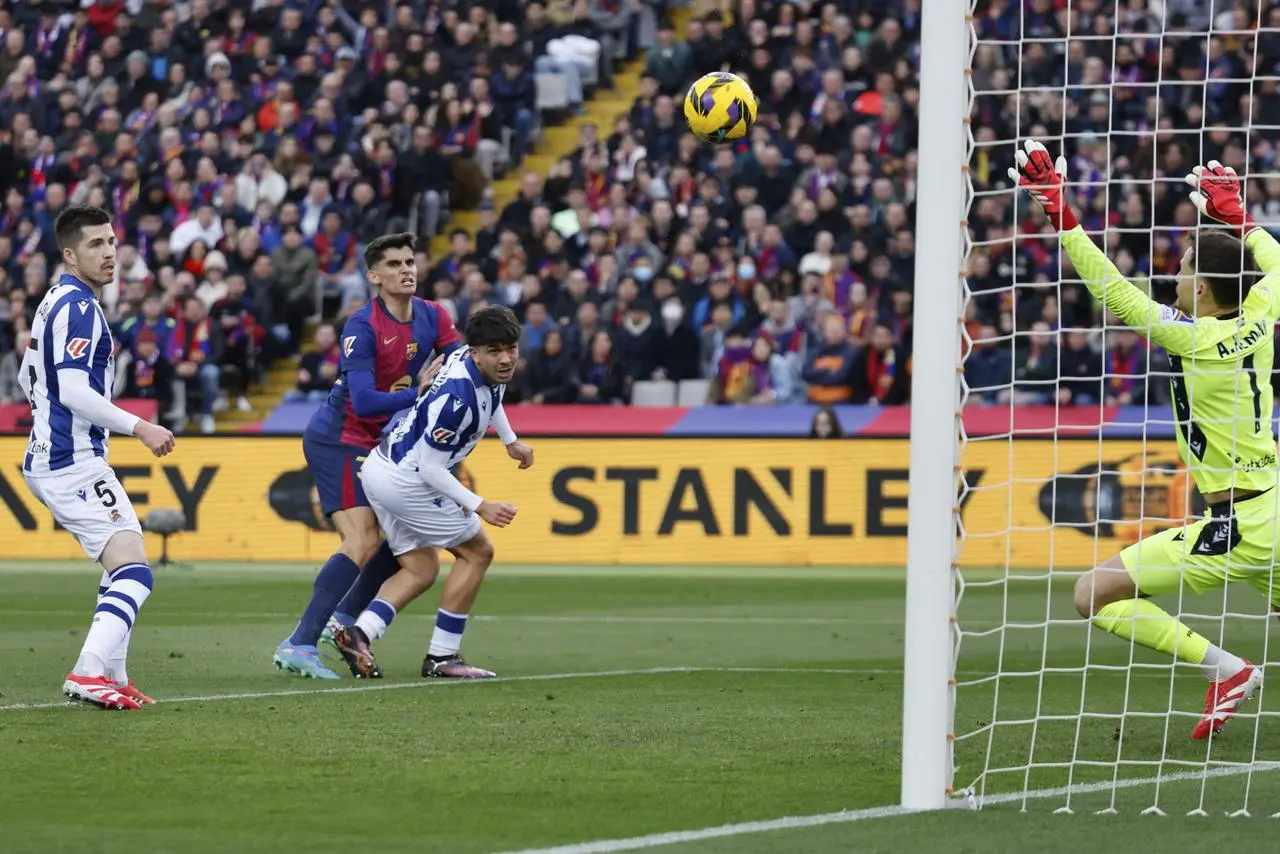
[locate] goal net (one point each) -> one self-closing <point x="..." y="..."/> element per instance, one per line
<point x="1067" y="449"/>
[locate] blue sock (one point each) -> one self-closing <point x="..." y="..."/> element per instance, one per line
<point x="333" y="579"/>
<point x="380" y="567"/>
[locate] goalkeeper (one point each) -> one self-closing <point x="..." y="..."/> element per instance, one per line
<point x="1219" y="337"/>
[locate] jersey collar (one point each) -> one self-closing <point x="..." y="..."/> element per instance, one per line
<point x="68" y="279"/>
<point x="474" y="371"/>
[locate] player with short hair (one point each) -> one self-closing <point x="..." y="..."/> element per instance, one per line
<point x="423" y="507"/>
<point x="1219" y="337"/>
<point x="67" y="374"/>
<point x="385" y="345"/>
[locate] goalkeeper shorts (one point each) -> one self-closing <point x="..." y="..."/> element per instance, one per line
<point x="1222" y="548"/>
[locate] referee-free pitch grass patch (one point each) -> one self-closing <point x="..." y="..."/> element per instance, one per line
<point x="628" y="703"/>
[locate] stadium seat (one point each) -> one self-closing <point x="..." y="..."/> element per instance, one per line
<point x="693" y="392"/>
<point x="653" y="393"/>
<point x="552" y="93"/>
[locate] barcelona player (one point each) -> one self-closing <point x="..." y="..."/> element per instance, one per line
<point x="386" y="344"/>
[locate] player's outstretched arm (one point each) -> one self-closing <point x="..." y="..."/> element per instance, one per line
<point x="1216" y="193"/>
<point x="1044" y="180"/>
<point x="516" y="449"/>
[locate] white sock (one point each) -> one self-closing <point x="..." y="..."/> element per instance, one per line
<point x="375" y="619"/>
<point x="1219" y="665"/>
<point x="116" y="670"/>
<point x="447" y="638"/>
<point x="118" y="607"/>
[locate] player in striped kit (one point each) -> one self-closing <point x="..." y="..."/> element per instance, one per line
<point x="66" y="374"/>
<point x="422" y="507"/>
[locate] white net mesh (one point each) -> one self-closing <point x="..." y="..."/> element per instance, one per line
<point x="1068" y="449"/>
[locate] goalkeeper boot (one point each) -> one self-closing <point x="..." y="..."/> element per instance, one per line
<point x="302" y="660"/>
<point x="131" y="691"/>
<point x="1225" y="698"/>
<point x="452" y="667"/>
<point x="353" y="644"/>
<point x="97" y="690"/>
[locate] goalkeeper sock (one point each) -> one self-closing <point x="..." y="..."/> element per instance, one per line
<point x="446" y="640"/>
<point x="1147" y="624"/>
<point x="374" y="621"/>
<point x="1220" y="665"/>
<point x="334" y="579"/>
<point x="380" y="567"/>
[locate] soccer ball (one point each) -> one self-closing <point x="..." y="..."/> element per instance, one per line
<point x="720" y="107"/>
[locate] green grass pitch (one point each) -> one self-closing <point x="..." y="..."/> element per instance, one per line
<point x="633" y="701"/>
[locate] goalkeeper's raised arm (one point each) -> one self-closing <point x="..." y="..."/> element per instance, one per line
<point x="1212" y="281"/>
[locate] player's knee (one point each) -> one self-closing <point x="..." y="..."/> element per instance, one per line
<point x="361" y="547"/>
<point x="478" y="551"/>
<point x="1084" y="593"/>
<point x="1100" y="587"/>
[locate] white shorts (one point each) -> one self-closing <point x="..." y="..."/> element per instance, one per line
<point x="411" y="515"/>
<point x="89" y="502"/>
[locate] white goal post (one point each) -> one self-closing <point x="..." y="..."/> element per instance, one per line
<point x="941" y="242"/>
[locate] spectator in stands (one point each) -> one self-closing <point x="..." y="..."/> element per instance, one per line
<point x="295" y="271"/>
<point x="195" y="365"/>
<point x="828" y="370"/>
<point x="1035" y="367"/>
<point x="238" y="338"/>
<point x="880" y="374"/>
<point x="669" y="62"/>
<point x="825" y="425"/>
<point x="601" y="376"/>
<point x="551" y="375"/>
<point x="338" y="266"/>
<point x="1080" y="370"/>
<point x="676" y="345"/>
<point x="1126" y="365"/>
<point x="149" y="375"/>
<point x="988" y="368"/>
<point x="635" y="343"/>
<point x="319" y="367"/>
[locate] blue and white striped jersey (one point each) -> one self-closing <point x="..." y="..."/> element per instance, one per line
<point x="70" y="333"/>
<point x="447" y="422"/>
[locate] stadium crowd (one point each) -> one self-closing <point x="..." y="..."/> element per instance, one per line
<point x="248" y="150"/>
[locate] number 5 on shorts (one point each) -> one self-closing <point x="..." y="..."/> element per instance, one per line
<point x="104" y="493"/>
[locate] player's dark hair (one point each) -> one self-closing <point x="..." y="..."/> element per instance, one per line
<point x="1221" y="260"/>
<point x="379" y="246"/>
<point x="496" y="324"/>
<point x="66" y="227"/>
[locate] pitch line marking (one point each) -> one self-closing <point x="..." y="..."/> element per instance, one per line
<point x="656" y="840"/>
<point x="440" y="683"/>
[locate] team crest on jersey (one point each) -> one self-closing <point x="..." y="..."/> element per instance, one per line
<point x="411" y="350"/>
<point x="348" y="344"/>
<point x="77" y="347"/>
<point x="115" y="516"/>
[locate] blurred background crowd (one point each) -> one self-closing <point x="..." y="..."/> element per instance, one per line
<point x="249" y="148"/>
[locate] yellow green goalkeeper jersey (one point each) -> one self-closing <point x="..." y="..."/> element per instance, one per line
<point x="1221" y="377"/>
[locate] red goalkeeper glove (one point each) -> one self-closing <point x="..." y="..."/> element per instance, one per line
<point x="1045" y="181"/>
<point x="1217" y="195"/>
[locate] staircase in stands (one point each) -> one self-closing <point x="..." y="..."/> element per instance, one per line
<point x="556" y="141"/>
